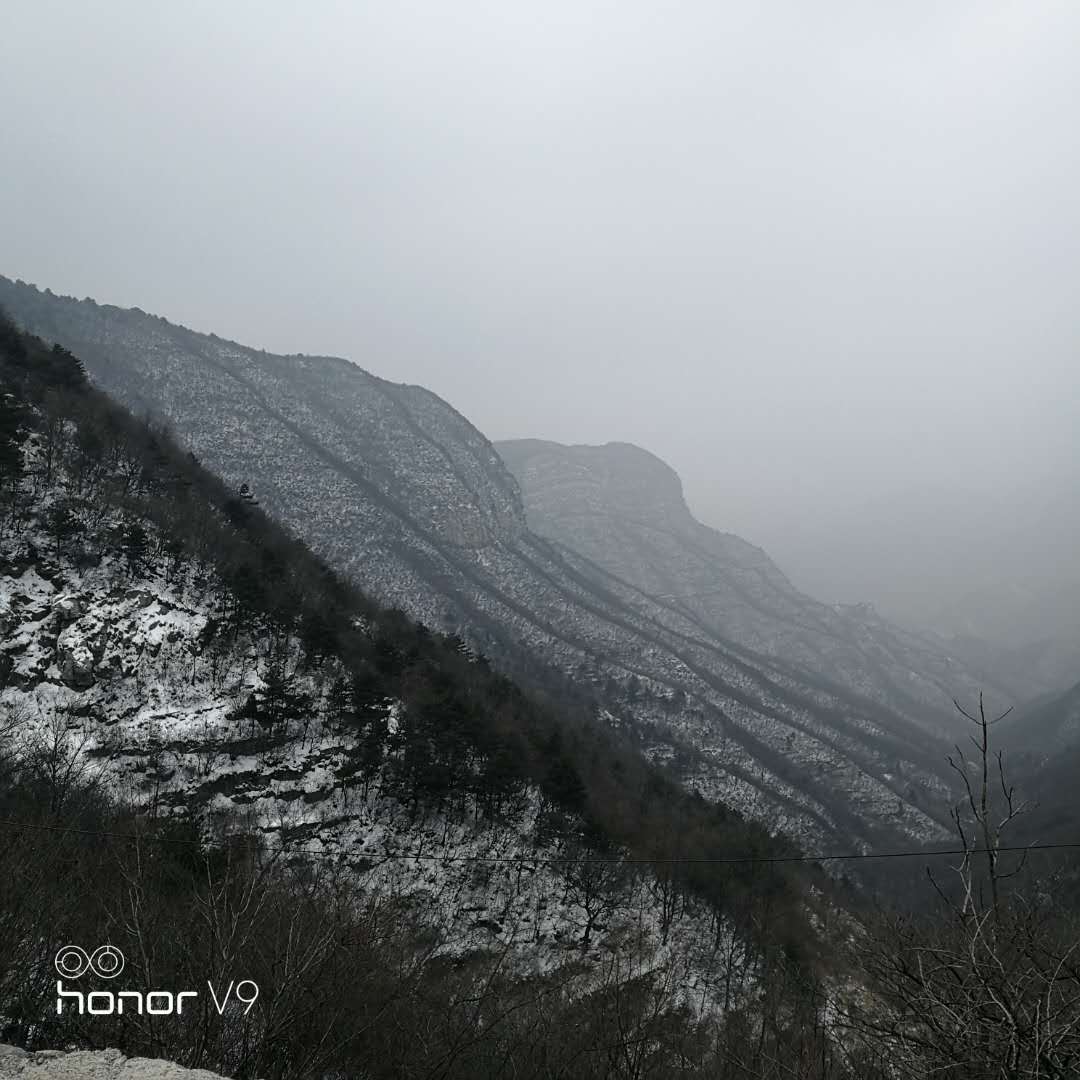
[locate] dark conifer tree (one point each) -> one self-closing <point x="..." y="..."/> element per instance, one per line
<point x="12" y="430"/>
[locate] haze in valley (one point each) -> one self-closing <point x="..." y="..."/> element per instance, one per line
<point x="823" y="259"/>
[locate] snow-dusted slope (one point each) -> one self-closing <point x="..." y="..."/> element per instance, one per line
<point x="118" y="670"/>
<point x="395" y="488"/>
<point x="189" y="702"/>
<point x="623" y="508"/>
<point x="141" y="657"/>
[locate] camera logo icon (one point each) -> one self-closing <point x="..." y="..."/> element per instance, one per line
<point x="73" y="961"/>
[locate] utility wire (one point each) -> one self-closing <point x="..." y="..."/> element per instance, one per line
<point x="556" y="860"/>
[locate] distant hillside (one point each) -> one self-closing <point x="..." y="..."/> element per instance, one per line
<point x="623" y="508"/>
<point x="1047" y="726"/>
<point x="1041" y="742"/>
<point x="831" y="741"/>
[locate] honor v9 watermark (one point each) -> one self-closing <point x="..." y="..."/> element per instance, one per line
<point x="107" y="962"/>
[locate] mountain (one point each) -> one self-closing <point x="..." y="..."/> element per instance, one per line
<point x="1042" y="667"/>
<point x="397" y="490"/>
<point x="1041" y="743"/>
<point x="1048" y="725"/>
<point x="623" y="508"/>
<point x="224" y="763"/>
<point x="1028" y="635"/>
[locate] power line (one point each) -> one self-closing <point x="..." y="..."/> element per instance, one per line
<point x="522" y="860"/>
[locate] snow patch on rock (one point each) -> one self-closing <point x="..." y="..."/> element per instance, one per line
<point x="16" y="1064"/>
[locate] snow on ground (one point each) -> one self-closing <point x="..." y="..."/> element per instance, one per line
<point x="16" y="1064"/>
<point x="114" y="666"/>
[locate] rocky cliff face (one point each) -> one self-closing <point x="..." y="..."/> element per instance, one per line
<point x="402" y="493"/>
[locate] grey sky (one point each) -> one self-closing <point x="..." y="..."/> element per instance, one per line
<point x="824" y="258"/>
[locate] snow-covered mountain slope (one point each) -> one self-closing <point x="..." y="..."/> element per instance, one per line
<point x="168" y="645"/>
<point x="176" y="670"/>
<point x="136" y="675"/>
<point x="400" y="492"/>
<point x="623" y="508"/>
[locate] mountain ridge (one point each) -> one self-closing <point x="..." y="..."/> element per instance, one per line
<point x="401" y="493"/>
<point x="602" y="501"/>
<point x="247" y="768"/>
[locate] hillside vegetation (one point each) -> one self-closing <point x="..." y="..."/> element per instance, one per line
<point x="226" y="761"/>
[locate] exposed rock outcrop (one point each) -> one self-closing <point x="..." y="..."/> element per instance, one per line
<point x="75" y="659"/>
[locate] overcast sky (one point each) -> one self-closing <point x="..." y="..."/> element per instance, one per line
<point x="824" y="258"/>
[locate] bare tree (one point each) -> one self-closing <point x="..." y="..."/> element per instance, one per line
<point x="597" y="883"/>
<point x="990" y="985"/>
<point x="55" y="759"/>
